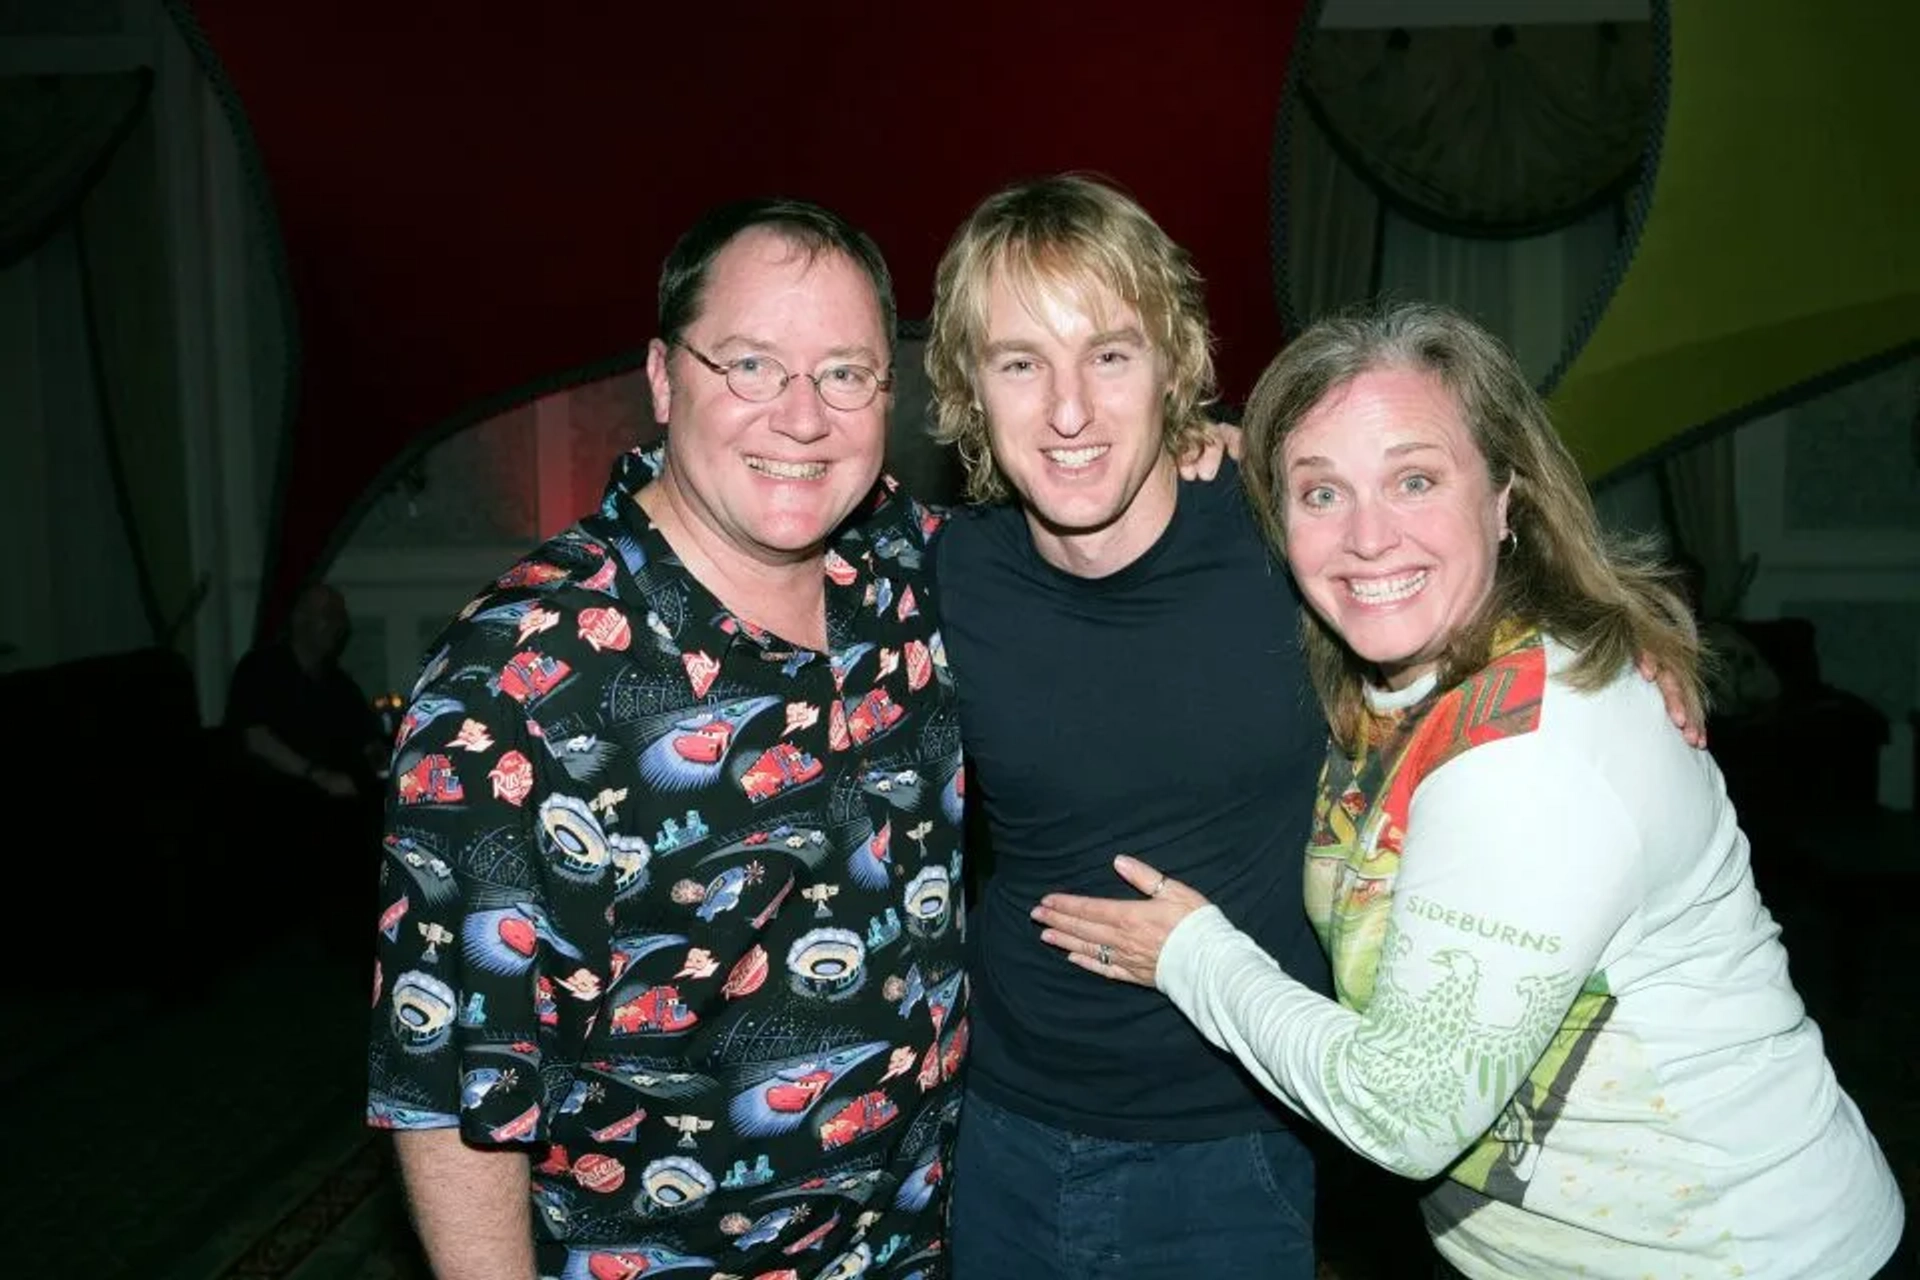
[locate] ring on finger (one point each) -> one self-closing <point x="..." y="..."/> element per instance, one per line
<point x="1158" y="885"/>
<point x="1104" y="955"/>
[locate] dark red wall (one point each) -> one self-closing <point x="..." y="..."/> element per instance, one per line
<point x="474" y="198"/>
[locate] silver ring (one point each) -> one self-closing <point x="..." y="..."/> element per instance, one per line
<point x="1105" y="954"/>
<point x="1158" y="885"/>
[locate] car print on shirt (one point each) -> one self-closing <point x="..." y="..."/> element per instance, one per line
<point x="780" y="768"/>
<point x="873" y="715"/>
<point x="657" y="1009"/>
<point x="869" y="1113"/>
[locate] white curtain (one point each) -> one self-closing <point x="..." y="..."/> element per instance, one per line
<point x="1532" y="292"/>
<point x="77" y="594"/>
<point x="1333" y="223"/>
<point x="1703" y="512"/>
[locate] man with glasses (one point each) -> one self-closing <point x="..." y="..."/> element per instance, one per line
<point x="669" y="973"/>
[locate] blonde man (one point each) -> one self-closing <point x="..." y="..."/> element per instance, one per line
<point x="1124" y="653"/>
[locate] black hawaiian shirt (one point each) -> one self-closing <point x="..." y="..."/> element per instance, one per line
<point x="675" y="905"/>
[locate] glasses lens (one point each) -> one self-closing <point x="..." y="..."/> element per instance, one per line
<point x="756" y="377"/>
<point x="848" y="386"/>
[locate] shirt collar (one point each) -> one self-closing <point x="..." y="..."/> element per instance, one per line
<point x="848" y="565"/>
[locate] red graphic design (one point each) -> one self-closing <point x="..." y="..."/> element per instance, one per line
<point x="876" y="714"/>
<point x="780" y="767"/>
<point x="839" y="572"/>
<point x="431" y="780"/>
<point x="606" y="629"/>
<point x="704" y="743"/>
<point x="748" y="972"/>
<point x="701" y="672"/>
<point x="601" y="1173"/>
<point x="655" y="1009"/>
<point x="868" y="1113"/>
<point x="512" y="777"/>
<point x="530" y="674"/>
<point x="919" y="665"/>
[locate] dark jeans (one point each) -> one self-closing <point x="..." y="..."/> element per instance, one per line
<point x="1031" y="1202"/>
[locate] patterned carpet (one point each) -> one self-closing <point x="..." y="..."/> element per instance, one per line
<point x="218" y="1137"/>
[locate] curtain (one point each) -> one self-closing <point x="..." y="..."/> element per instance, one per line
<point x="57" y="134"/>
<point x="1700" y="499"/>
<point x="1488" y="130"/>
<point x="1530" y="291"/>
<point x="1330" y="236"/>
<point x="124" y="264"/>
<point x="78" y="154"/>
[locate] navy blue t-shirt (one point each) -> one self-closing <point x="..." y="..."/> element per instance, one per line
<point x="1162" y="711"/>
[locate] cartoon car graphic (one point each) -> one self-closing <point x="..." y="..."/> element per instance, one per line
<point x="635" y="1261"/>
<point x="530" y="573"/>
<point x="529" y="675"/>
<point x="798" y="1093"/>
<point x="704" y="743"/>
<point x="868" y="1113"/>
<point x="779" y="768"/>
<point x="655" y="1009"/>
<point x="431" y="780"/>
<point x="425" y="862"/>
<point x="382" y="1114"/>
<point x="769" y="1227"/>
<point x="876" y="714"/>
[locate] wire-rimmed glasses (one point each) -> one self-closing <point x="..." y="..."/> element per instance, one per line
<point x="758" y="379"/>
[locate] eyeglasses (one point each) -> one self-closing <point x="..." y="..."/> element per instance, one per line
<point x="758" y="379"/>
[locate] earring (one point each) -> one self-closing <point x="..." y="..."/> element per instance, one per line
<point x="1510" y="541"/>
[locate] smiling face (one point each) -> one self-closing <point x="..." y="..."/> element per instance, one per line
<point x="769" y="482"/>
<point x="1393" y="525"/>
<point x="1074" y="399"/>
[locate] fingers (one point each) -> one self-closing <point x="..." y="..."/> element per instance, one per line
<point x="1138" y="874"/>
<point x="1098" y="956"/>
<point x="1233" y="438"/>
<point x="1077" y="944"/>
<point x="1203" y="465"/>
<point x="1116" y="971"/>
<point x="1067" y="908"/>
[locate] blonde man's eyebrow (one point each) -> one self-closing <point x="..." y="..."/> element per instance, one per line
<point x="1004" y="347"/>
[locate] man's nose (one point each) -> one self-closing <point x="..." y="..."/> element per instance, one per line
<point x="799" y="412"/>
<point x="1067" y="411"/>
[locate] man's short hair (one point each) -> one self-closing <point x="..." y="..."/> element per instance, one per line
<point x="1064" y="232"/>
<point x="809" y="227"/>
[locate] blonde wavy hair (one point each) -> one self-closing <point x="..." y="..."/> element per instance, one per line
<point x="1065" y="233"/>
<point x="1610" y="599"/>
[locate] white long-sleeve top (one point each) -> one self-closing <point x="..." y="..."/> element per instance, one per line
<point x="1557" y="984"/>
